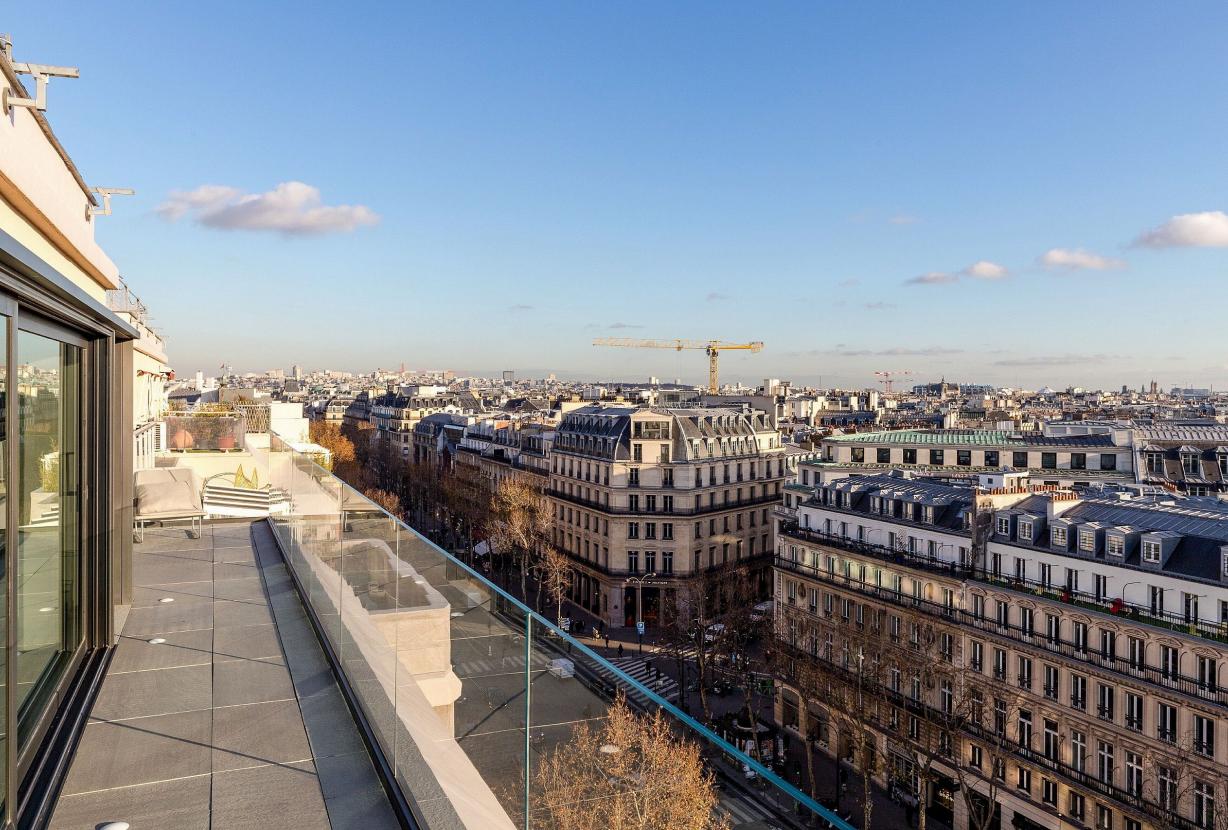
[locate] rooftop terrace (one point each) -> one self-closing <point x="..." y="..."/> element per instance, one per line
<point x="329" y="667"/>
<point x="219" y="709"/>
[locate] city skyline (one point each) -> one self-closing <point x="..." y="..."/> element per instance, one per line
<point x="861" y="191"/>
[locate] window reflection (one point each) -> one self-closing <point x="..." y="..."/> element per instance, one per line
<point x="48" y="539"/>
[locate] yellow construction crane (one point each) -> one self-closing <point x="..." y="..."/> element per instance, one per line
<point x="887" y="378"/>
<point x="713" y="348"/>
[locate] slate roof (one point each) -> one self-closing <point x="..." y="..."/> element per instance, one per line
<point x="973" y="438"/>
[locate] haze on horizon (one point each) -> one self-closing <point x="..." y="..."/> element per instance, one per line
<point x="1024" y="196"/>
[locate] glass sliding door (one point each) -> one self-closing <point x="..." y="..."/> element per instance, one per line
<point x="48" y="612"/>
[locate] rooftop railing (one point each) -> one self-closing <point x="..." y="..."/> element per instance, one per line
<point x="481" y="713"/>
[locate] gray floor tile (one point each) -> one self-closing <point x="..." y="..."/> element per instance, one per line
<point x="141" y="751"/>
<point x="235" y="570"/>
<point x="165" y="619"/>
<point x="330" y="727"/>
<point x="240" y="590"/>
<point x="152" y="596"/>
<point x="157" y="692"/>
<point x="246" y="642"/>
<point x="269" y="798"/>
<point x="182" y="648"/>
<point x="157" y="569"/>
<point x="262" y="733"/>
<point x="182" y="804"/>
<point x="227" y="613"/>
<point x="364" y="808"/>
<point x="250" y="681"/>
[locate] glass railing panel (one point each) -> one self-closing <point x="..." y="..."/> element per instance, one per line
<point x="471" y="677"/>
<point x="372" y="584"/>
<point x="316" y="548"/>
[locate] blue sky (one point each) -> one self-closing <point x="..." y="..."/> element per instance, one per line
<point x="503" y="182"/>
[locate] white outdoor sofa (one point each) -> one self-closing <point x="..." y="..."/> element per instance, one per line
<point x="166" y="494"/>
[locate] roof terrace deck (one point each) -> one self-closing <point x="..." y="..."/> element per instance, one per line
<point x="219" y="709"/>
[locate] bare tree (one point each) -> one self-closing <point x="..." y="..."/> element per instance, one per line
<point x="851" y="688"/>
<point x="631" y="773"/>
<point x="555" y="577"/>
<point x="522" y="523"/>
<point x="389" y="501"/>
<point x="937" y="702"/>
<point x="987" y="714"/>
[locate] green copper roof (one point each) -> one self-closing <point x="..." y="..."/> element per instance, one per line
<point x="975" y="437"/>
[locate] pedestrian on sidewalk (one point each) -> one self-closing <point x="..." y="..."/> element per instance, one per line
<point x="620" y="649"/>
<point x="607" y="640"/>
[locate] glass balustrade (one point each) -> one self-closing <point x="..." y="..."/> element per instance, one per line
<point x="487" y="714"/>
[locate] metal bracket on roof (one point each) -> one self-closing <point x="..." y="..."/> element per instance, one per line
<point x="106" y="193"/>
<point x="40" y="71"/>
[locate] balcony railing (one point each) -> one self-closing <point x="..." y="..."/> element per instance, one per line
<point x="467" y="695"/>
<point x="883" y="553"/>
<point x="659" y="510"/>
<point x="205" y="431"/>
<point x="1114" y="663"/>
<point x="1112" y="605"/>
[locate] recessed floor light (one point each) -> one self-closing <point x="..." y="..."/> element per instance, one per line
<point x="167" y="599"/>
<point x="47" y="609"/>
<point x="458" y="613"/>
<point x="115" y="825"/>
<point x="156" y="641"/>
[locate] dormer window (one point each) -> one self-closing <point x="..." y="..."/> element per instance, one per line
<point x="1115" y="545"/>
<point x="1004" y="526"/>
<point x="1189" y="464"/>
<point x="1221" y="458"/>
<point x="1025" y="531"/>
<point x="1151" y="551"/>
<point x="1224" y="563"/>
<point x="1087" y="541"/>
<point x="927" y="514"/>
<point x="1155" y="462"/>
<point x="1059" y="537"/>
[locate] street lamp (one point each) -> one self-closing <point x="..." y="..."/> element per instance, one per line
<point x="639" y="605"/>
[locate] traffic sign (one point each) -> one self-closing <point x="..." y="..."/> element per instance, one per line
<point x="639" y="627"/>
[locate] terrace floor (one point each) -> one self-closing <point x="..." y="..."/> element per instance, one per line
<point x="232" y="719"/>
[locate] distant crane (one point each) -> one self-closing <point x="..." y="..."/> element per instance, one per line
<point x="713" y="348"/>
<point x="886" y="378"/>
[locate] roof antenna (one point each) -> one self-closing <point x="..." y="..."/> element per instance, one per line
<point x="41" y="72"/>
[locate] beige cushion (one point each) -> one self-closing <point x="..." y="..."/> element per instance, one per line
<point x="169" y="497"/>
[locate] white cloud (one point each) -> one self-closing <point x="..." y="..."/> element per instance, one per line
<point x="1046" y="361"/>
<point x="1074" y="259"/>
<point x="933" y="278"/>
<point x="1208" y="229"/>
<point x="985" y="270"/>
<point x="930" y="351"/>
<point x="291" y="208"/>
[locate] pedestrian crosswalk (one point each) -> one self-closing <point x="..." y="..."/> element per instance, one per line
<point x="497" y="664"/>
<point x="742" y="811"/>
<point x="644" y="674"/>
